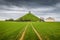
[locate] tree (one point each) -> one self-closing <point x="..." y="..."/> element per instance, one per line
<point x="9" y="19"/>
<point x="42" y="19"/>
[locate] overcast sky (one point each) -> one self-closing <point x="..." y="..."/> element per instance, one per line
<point x="41" y="8"/>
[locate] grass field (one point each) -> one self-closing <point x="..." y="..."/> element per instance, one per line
<point x="13" y="30"/>
<point x="30" y="34"/>
<point x="10" y="30"/>
<point x="48" y="31"/>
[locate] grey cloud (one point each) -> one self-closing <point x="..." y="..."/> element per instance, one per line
<point x="17" y="8"/>
<point x="30" y="3"/>
<point x="41" y="1"/>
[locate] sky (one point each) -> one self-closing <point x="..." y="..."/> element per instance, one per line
<point x="41" y="8"/>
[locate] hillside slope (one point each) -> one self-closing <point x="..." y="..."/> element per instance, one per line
<point x="28" y="17"/>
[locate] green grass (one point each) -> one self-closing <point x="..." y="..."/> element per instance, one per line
<point x="30" y="34"/>
<point x="47" y="30"/>
<point x="10" y="30"/>
<point x="29" y="17"/>
<point x="13" y="30"/>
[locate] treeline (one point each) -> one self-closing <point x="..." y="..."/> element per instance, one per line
<point x="10" y="19"/>
<point x="41" y="20"/>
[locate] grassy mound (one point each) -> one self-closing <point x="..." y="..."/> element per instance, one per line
<point x="28" y="17"/>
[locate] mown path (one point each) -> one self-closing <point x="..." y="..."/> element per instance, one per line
<point x="39" y="36"/>
<point x="23" y="34"/>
